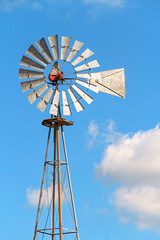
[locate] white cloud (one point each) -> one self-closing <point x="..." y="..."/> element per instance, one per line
<point x="112" y="3"/>
<point x="133" y="159"/>
<point x="109" y="132"/>
<point x="10" y="5"/>
<point x="139" y="205"/>
<point x="133" y="162"/>
<point x="111" y="126"/>
<point x="33" y="195"/>
<point x="102" y="133"/>
<point x="93" y="131"/>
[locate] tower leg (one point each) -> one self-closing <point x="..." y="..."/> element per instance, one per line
<point x="70" y="185"/>
<point x="41" y="190"/>
<point x="59" y="183"/>
<point x="53" y="184"/>
<point x="69" y="179"/>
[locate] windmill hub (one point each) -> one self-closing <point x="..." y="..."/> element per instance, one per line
<point x="56" y="78"/>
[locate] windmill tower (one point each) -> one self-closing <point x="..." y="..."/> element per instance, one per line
<point x="61" y="83"/>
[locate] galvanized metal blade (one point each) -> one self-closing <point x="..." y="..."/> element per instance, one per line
<point x="33" y="52"/>
<point x="89" y="65"/>
<point x="27" y="62"/>
<point x="55" y="69"/>
<point x="91" y="87"/>
<point x="53" y="40"/>
<point x="44" y="101"/>
<point x="76" y="47"/>
<point x="112" y="82"/>
<point x="55" y="103"/>
<point x="36" y="93"/>
<point x="84" y="75"/>
<point x="64" y="47"/>
<point x="77" y="104"/>
<point x="56" y="65"/>
<point x="84" y="95"/>
<point x="66" y="107"/>
<point x="86" y="54"/>
<point x="45" y="50"/>
<point x="25" y="73"/>
<point x="31" y="84"/>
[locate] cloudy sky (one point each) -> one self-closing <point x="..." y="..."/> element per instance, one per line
<point x="114" y="145"/>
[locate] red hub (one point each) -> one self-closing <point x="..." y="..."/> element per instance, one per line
<point x="56" y="78"/>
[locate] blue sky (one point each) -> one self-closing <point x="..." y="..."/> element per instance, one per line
<point x="113" y="147"/>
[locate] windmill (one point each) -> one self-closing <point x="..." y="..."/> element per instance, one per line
<point x="61" y="78"/>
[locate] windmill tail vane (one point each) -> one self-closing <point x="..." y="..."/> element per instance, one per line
<point x="59" y="77"/>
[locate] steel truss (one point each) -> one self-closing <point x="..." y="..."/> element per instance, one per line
<point x="56" y="125"/>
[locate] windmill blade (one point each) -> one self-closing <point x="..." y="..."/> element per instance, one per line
<point x="84" y="75"/>
<point x="36" y="93"/>
<point x="56" y="65"/>
<point x="88" y="65"/>
<point x="44" y="101"/>
<point x="55" y="103"/>
<point x="66" y="107"/>
<point x="55" y="69"/>
<point x="33" y="52"/>
<point x="77" y="104"/>
<point x="53" y="40"/>
<point x="64" y="47"/>
<point x="76" y="47"/>
<point x="24" y="73"/>
<point x="27" y="62"/>
<point x="84" y="95"/>
<point x="31" y="84"/>
<point x="86" y="54"/>
<point x="111" y="82"/>
<point x="45" y="50"/>
<point x="91" y="87"/>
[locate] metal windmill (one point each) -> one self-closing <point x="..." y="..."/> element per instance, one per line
<point x="60" y="72"/>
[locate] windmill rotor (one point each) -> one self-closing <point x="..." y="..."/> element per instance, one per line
<point x="59" y="86"/>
